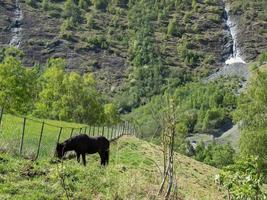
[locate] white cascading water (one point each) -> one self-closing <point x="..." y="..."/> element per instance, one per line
<point x="16" y="30"/>
<point x="234" y="64"/>
<point x="235" y="57"/>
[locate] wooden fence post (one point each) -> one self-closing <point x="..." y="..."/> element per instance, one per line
<point x="118" y="132"/>
<point x="115" y="131"/>
<point x="121" y="129"/>
<point x="94" y="131"/>
<point x="124" y="128"/>
<point x="22" y="136"/>
<point x="40" y="140"/>
<point x="98" y="130"/>
<point x="71" y="132"/>
<point x="1" y="115"/>
<point x="59" y="134"/>
<point x="103" y="130"/>
<point x="90" y="130"/>
<point x="80" y="130"/>
<point x="85" y="129"/>
<point x="112" y="132"/>
<point x="108" y="133"/>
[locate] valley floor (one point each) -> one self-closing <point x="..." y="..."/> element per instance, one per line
<point x="131" y="174"/>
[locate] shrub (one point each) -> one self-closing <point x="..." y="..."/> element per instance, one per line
<point x="97" y="42"/>
<point x="90" y="22"/>
<point x="32" y="3"/>
<point x="67" y="24"/>
<point x="215" y="154"/>
<point x="100" y="4"/>
<point x="45" y="5"/>
<point x="244" y="179"/>
<point x="72" y="10"/>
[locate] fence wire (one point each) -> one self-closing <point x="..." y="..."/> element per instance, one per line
<point x="34" y="138"/>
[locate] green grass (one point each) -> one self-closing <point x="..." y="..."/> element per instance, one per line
<point x="131" y="174"/>
<point x="11" y="131"/>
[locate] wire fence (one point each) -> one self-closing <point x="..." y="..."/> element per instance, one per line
<point x="35" y="138"/>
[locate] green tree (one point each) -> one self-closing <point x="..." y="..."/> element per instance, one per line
<point x="215" y="154"/>
<point x="72" y="10"/>
<point x="251" y="112"/>
<point x="45" y="5"/>
<point x="50" y="84"/>
<point x="80" y="101"/>
<point x="244" y="179"/>
<point x="83" y="4"/>
<point x="17" y="86"/>
<point x="68" y="96"/>
<point x="100" y="4"/>
<point x="111" y="114"/>
<point x="172" y="29"/>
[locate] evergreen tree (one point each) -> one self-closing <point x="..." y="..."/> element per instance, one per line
<point x="72" y="10"/>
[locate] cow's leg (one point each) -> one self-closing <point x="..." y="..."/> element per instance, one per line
<point x="84" y="161"/>
<point x="78" y="156"/>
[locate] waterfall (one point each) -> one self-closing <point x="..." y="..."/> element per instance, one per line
<point x="234" y="64"/>
<point x="16" y="29"/>
<point x="235" y="57"/>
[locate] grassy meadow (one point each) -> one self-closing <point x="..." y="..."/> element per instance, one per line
<point x="12" y="126"/>
<point x="133" y="173"/>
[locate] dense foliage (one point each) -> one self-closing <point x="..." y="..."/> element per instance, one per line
<point x="215" y="154"/>
<point x="17" y="83"/>
<point x="244" y="179"/>
<point x="201" y="108"/>
<point x="50" y="92"/>
<point x="251" y="112"/>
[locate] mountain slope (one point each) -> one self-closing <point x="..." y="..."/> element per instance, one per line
<point x="131" y="174"/>
<point x="191" y="38"/>
<point x="102" y="39"/>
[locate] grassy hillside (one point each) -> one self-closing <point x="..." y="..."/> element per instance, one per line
<point x="131" y="175"/>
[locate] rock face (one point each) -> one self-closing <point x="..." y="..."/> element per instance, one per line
<point x="234" y="64"/>
<point x="6" y="15"/>
<point x="230" y="70"/>
<point x="251" y="29"/>
<point x="16" y="27"/>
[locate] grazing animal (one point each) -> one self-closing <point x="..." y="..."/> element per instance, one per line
<point x="83" y="144"/>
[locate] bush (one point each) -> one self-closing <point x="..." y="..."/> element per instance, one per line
<point x="90" y="22"/>
<point x="45" y="5"/>
<point x="172" y="27"/>
<point x="100" y="4"/>
<point x="32" y="3"/>
<point x="67" y="25"/>
<point x="97" y="42"/>
<point x="244" y="179"/>
<point x="215" y="154"/>
<point x="262" y="59"/>
<point x="84" y="4"/>
<point x="72" y="10"/>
